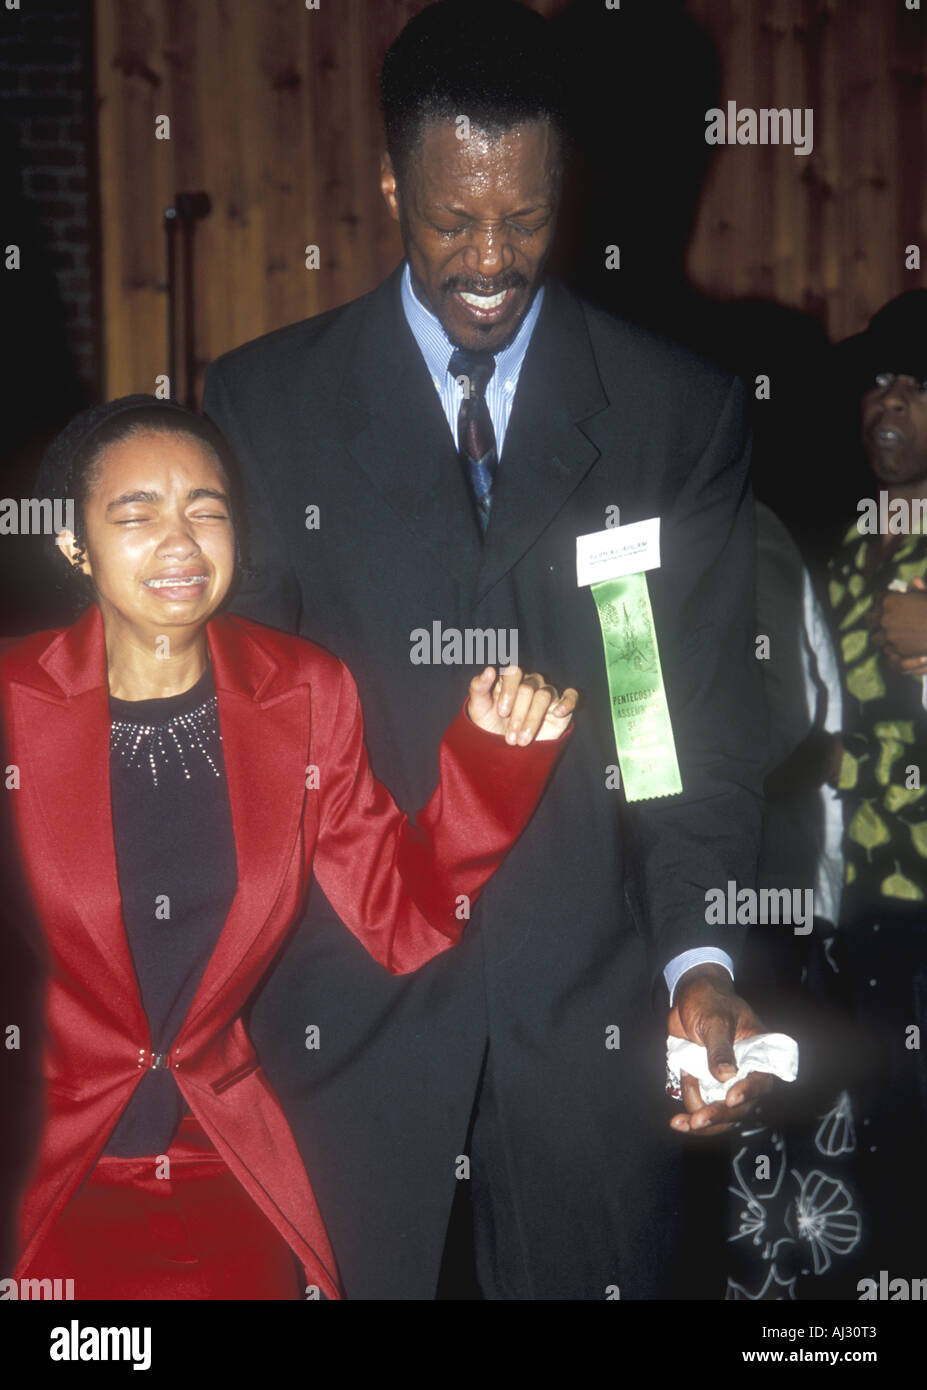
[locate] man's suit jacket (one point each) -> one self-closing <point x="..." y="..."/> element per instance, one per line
<point x="302" y="800"/>
<point x="339" y="413"/>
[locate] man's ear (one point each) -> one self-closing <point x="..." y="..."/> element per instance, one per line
<point x="72" y="552"/>
<point x="388" y="185"/>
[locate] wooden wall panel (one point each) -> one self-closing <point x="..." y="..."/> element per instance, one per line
<point x="824" y="233"/>
<point x="274" y="113"/>
<point x="130" y="161"/>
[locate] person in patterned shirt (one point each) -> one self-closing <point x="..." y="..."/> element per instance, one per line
<point x="878" y="599"/>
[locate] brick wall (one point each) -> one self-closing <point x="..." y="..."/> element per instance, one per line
<point x="45" y="104"/>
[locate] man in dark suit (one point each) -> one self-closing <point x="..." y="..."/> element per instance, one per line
<point x="419" y="464"/>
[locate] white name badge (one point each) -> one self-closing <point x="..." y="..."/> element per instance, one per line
<point x="618" y="551"/>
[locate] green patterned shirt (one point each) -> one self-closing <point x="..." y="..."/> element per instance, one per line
<point x="883" y="776"/>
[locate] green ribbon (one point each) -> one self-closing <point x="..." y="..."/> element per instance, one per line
<point x="640" y="716"/>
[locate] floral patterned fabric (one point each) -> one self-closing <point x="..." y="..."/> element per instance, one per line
<point x="829" y="1197"/>
<point x="885" y="734"/>
<point x="794" y="1219"/>
<point x="798" y="1225"/>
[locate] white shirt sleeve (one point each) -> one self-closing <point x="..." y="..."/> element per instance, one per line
<point x="699" y="955"/>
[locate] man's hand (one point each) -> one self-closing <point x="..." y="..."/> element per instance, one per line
<point x="899" y="627"/>
<point x="708" y="1012"/>
<point x="521" y="708"/>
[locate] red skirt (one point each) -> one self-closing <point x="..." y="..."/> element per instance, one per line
<point x="129" y="1234"/>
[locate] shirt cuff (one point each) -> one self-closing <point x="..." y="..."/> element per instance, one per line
<point x="701" y="955"/>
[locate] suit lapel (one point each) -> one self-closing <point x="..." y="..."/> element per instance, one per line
<point x="547" y="450"/>
<point x="264" y="720"/>
<point x="64" y="706"/>
<point x="397" y="433"/>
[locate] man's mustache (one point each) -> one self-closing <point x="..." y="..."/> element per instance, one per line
<point x="508" y="280"/>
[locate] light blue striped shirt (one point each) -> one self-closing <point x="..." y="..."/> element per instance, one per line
<point x="436" y="348"/>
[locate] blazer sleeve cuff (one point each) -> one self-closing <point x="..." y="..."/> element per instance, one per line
<point x="505" y="776"/>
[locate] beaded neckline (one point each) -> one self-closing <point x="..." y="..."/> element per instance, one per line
<point x="168" y="733"/>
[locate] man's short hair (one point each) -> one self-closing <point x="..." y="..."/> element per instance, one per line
<point x="492" y="61"/>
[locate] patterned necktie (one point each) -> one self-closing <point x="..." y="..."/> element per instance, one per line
<point x="475" y="434"/>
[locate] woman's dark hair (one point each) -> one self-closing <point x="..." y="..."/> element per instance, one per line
<point x="70" y="467"/>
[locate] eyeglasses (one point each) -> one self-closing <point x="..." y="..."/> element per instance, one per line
<point x="884" y="380"/>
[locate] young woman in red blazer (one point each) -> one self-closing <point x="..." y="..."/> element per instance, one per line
<point x="182" y="774"/>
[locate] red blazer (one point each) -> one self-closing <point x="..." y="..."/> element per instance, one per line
<point x="284" y="705"/>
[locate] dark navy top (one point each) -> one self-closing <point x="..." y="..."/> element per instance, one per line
<point x="175" y="857"/>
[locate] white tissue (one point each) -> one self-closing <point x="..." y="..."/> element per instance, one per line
<point x="772" y="1052"/>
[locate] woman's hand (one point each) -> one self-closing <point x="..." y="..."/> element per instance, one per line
<point x="521" y="708"/>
